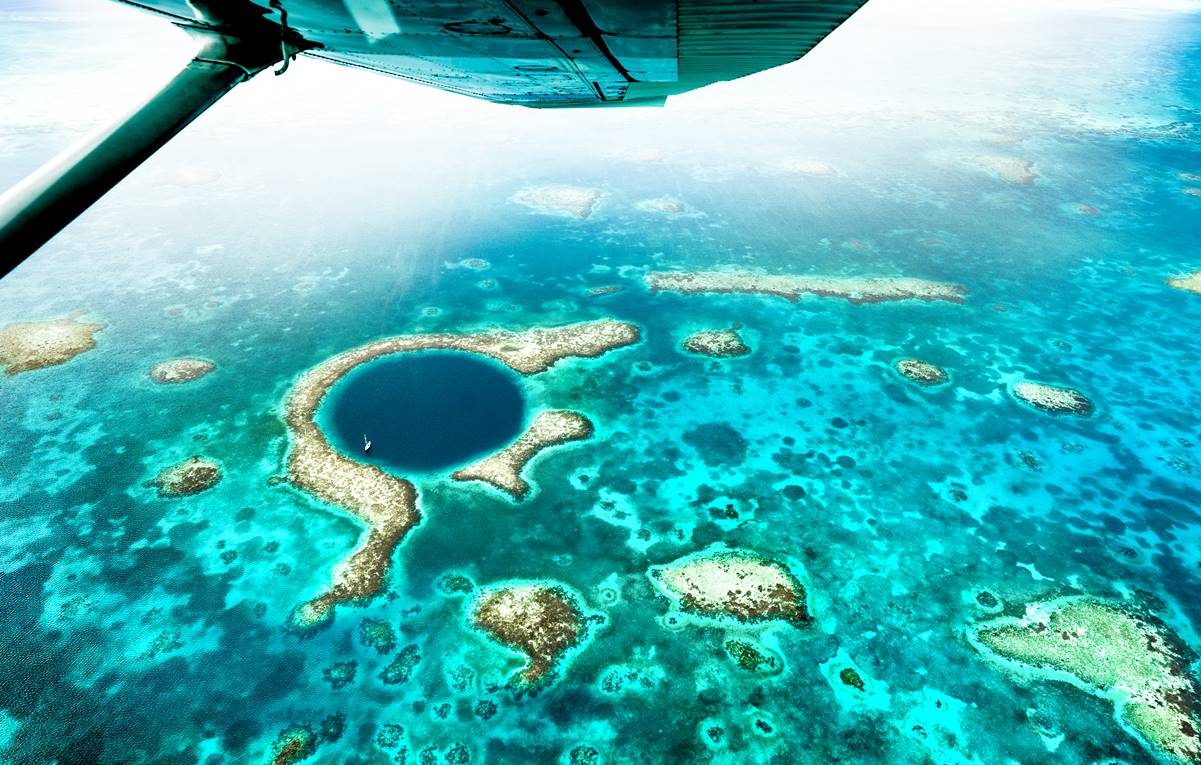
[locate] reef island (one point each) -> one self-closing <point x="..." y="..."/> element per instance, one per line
<point x="1134" y="661"/>
<point x="385" y="503"/>
<point x="540" y="621"/>
<point x="717" y="343"/>
<point x="1053" y="399"/>
<point x="736" y="584"/>
<point x="25" y="346"/>
<point x="854" y="289"/>
<point x="178" y="371"/>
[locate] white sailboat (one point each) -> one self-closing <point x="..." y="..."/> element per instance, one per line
<point x="366" y="444"/>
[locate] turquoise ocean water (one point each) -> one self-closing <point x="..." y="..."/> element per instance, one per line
<point x="311" y="213"/>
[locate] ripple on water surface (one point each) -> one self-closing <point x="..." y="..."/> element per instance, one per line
<point x="424" y="411"/>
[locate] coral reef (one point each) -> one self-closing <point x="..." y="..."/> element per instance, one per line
<point x="25" y="346"/>
<point x="750" y="658"/>
<point x="540" y="621"/>
<point x="385" y="503"/>
<point x="377" y="634"/>
<point x="192" y="476"/>
<point x="503" y="469"/>
<point x="400" y="669"/>
<point x="564" y="201"/>
<point x="864" y="289"/>
<point x="1131" y="659"/>
<point x="921" y="372"/>
<point x="1053" y="399"/>
<point x="176" y="371"/>
<point x="718" y="343"/>
<point x="294" y="743"/>
<point x="340" y="674"/>
<point x="734" y="583"/>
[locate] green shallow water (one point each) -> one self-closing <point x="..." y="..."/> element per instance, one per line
<point x="142" y="629"/>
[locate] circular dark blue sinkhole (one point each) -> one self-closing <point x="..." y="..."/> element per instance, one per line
<point x="424" y="410"/>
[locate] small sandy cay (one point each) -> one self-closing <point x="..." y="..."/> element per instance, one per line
<point x="1008" y="169"/>
<point x="183" y="479"/>
<point x="1053" y="399"/>
<point x="1132" y="660"/>
<point x="921" y="372"/>
<point x="869" y="289"/>
<point x="734" y="583"/>
<point x="1187" y="282"/>
<point x="176" y="371"/>
<point x="718" y="343"/>
<point x="503" y="469"/>
<point x="540" y="621"/>
<point x="386" y="504"/>
<point x="32" y="345"/>
<point x="564" y="201"/>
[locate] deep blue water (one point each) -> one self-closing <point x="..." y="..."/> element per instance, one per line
<point x="424" y="410"/>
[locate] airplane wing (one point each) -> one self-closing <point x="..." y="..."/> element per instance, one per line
<point x="538" y="53"/>
<point x="551" y="53"/>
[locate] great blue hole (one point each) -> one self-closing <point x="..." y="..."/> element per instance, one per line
<point x="424" y="410"/>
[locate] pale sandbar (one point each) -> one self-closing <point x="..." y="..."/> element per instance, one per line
<point x="869" y="289"/>
<point x="503" y="469"/>
<point x="1187" y="282"/>
<point x="25" y="346"/>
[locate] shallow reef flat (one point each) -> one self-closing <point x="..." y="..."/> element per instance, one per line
<point x="176" y="371"/>
<point x="718" y="343"/>
<point x="854" y="289"/>
<point x="921" y="372"/>
<point x="662" y="206"/>
<point x="737" y="584"/>
<point x="1133" y="660"/>
<point x="192" y="476"/>
<point x="1008" y="169"/>
<point x="503" y="469"/>
<point x="385" y="503"/>
<point x="1187" y="282"/>
<point x="542" y="621"/>
<point x="1053" y="399"/>
<point x="561" y="200"/>
<point x="25" y="346"/>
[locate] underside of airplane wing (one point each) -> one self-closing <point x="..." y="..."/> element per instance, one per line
<point x="538" y="53"/>
<point x="549" y="53"/>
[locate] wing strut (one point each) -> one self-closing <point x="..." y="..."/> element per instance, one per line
<point x="38" y="207"/>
